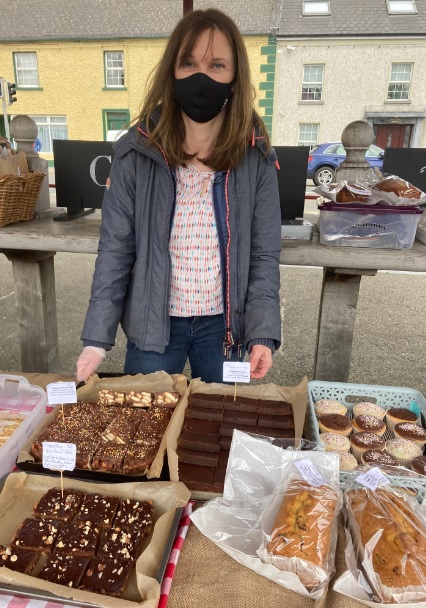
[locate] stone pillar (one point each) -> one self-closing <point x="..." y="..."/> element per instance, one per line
<point x="24" y="131"/>
<point x="357" y="136"/>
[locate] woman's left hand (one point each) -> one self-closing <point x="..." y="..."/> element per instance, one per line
<point x="260" y="361"/>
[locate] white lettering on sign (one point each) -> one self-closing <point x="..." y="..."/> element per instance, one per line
<point x="309" y="472"/>
<point x="93" y="169"/>
<point x="372" y="479"/>
<point x="234" y="371"/>
<point x="61" y="392"/>
<point x="59" y="456"/>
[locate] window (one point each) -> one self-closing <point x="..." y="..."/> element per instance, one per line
<point x="312" y="82"/>
<point x="401" y="7"/>
<point x="311" y="7"/>
<point x="49" y="128"/>
<point x="114" y="69"/>
<point x="400" y="80"/>
<point x="26" y="70"/>
<point x="308" y="134"/>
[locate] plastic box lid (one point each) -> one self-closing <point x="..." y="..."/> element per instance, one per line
<point x="17" y="395"/>
<point x="377" y="209"/>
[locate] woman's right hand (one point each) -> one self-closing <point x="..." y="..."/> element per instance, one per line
<point x="88" y="362"/>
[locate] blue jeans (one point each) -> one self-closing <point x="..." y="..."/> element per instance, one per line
<point x="198" y="338"/>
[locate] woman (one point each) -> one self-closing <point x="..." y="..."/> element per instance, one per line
<point x="188" y="258"/>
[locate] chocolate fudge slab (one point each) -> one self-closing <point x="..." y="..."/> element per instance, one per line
<point x="107" y="577"/>
<point x="243" y="404"/>
<point x="65" y="570"/>
<point x="203" y="413"/>
<point x="166" y="399"/>
<point x="206" y="400"/>
<point x="113" y="398"/>
<point x="36" y="534"/>
<point x="79" y="540"/>
<point x="124" y="545"/>
<point x="271" y="420"/>
<point x="240" y="417"/>
<point x="204" y="427"/>
<point x="278" y="408"/>
<point x="18" y="560"/>
<point x="196" y="477"/>
<point x="53" y="506"/>
<point x="209" y="459"/>
<point x="109" y="457"/>
<point x="134" y="514"/>
<point x="196" y="441"/>
<point x="139" y="458"/>
<point x="97" y="510"/>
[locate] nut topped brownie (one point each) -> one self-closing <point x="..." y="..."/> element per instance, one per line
<point x="106" y="576"/>
<point x="19" y="560"/>
<point x="36" y="534"/>
<point x="134" y="514"/>
<point x="65" y="570"/>
<point x="124" y="545"/>
<point x="98" y="510"/>
<point x="53" y="506"/>
<point x="77" y="539"/>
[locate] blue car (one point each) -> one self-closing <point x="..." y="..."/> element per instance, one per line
<point x="324" y="159"/>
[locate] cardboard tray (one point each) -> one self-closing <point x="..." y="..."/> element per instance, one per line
<point x="21" y="492"/>
<point x="159" y="381"/>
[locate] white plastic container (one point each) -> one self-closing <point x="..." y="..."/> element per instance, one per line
<point x="18" y="396"/>
<point x="358" y="225"/>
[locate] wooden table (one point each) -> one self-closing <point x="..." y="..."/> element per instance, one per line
<point x="31" y="247"/>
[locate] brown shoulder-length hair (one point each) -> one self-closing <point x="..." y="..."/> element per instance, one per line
<point x="240" y="116"/>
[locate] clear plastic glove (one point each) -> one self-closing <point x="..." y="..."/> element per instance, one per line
<point x="89" y="361"/>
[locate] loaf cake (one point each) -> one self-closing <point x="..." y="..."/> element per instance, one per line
<point x="396" y="539"/>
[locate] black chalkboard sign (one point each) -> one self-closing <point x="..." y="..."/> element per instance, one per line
<point x="293" y="162"/>
<point x="81" y="171"/>
<point x="408" y="163"/>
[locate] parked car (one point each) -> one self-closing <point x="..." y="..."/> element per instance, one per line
<point x="324" y="159"/>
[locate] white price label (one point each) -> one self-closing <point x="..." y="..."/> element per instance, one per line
<point x="236" y="371"/>
<point x="59" y="456"/>
<point x="372" y="479"/>
<point x="309" y="472"/>
<point x="61" y="392"/>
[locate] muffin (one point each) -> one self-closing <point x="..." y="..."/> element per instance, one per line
<point x="378" y="457"/>
<point x="418" y="465"/>
<point x="328" y="406"/>
<point x="347" y="462"/>
<point x="333" y="442"/>
<point x="399" y="414"/>
<point x="335" y="423"/>
<point x="404" y="450"/>
<point x="413" y="432"/>
<point x="362" y="442"/>
<point x="366" y="408"/>
<point x="368" y="423"/>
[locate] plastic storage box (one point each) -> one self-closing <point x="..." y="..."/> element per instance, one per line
<point x="350" y="395"/>
<point x="18" y="396"/>
<point x="358" y="225"/>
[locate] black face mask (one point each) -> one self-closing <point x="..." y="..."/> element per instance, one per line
<point x="201" y="97"/>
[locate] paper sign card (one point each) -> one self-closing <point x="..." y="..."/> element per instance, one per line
<point x="236" y="371"/>
<point x="59" y="456"/>
<point x="309" y="472"/>
<point x="372" y="479"/>
<point x="61" y="392"/>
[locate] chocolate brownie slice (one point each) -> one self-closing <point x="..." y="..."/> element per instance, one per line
<point x="53" y="506"/>
<point x="278" y="408"/>
<point x="203" y="413"/>
<point x="206" y="400"/>
<point x="97" y="510"/>
<point x="276" y="421"/>
<point x="196" y="477"/>
<point x="107" y="577"/>
<point x="19" y="560"/>
<point x="240" y="417"/>
<point x="37" y="534"/>
<point x="65" y="570"/>
<point x="124" y="545"/>
<point x="209" y="459"/>
<point x="196" y="441"/>
<point x="80" y="540"/>
<point x="244" y="404"/>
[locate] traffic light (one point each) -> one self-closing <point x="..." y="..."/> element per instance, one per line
<point x="11" y="86"/>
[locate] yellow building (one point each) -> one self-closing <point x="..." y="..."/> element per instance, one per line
<point x="90" y="87"/>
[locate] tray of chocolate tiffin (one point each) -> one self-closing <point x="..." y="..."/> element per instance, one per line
<point x="91" y="543"/>
<point x="119" y="427"/>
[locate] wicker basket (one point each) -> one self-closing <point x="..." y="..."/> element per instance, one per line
<point x="18" y="196"/>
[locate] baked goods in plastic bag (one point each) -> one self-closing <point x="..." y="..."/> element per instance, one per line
<point x="389" y="538"/>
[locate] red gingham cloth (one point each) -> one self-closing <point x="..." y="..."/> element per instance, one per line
<point x="12" y="601"/>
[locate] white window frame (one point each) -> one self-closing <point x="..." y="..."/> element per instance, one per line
<point x="314" y="8"/>
<point x="395" y="83"/>
<point x="20" y="71"/>
<point x="47" y="124"/>
<point x="117" y="70"/>
<point x="316" y="94"/>
<point x="311" y="142"/>
<point x="401" y="7"/>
